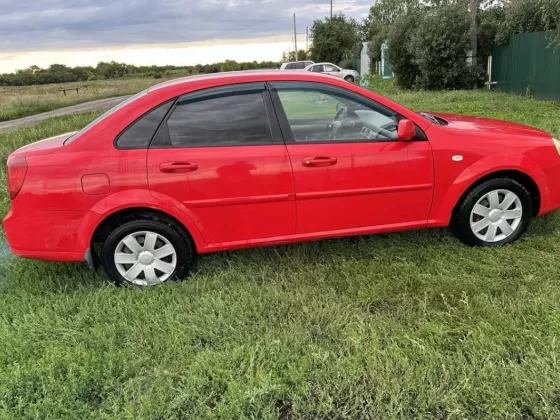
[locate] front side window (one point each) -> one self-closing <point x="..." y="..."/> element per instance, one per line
<point x="139" y="134"/>
<point x="318" y="113"/>
<point x="290" y="66"/>
<point x="234" y="118"/>
<point x="330" y="68"/>
<point x="300" y="66"/>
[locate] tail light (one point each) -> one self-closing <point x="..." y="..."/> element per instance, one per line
<point x="17" y="169"/>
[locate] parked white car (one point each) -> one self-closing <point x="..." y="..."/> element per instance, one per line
<point x="329" y="68"/>
<point x="296" y="65"/>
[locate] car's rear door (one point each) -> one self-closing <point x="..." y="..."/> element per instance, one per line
<point x="220" y="154"/>
<point x="353" y="178"/>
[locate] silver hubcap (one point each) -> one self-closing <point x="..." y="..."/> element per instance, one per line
<point x="496" y="216"/>
<point x="145" y="258"/>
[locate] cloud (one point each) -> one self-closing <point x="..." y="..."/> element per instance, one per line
<point x="60" y="24"/>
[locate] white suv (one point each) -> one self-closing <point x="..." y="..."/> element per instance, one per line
<point x="295" y="65"/>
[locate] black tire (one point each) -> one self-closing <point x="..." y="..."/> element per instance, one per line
<point x="184" y="247"/>
<point x="461" y="218"/>
<point x="349" y="79"/>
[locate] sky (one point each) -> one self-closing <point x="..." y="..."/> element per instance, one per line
<point x="179" y="32"/>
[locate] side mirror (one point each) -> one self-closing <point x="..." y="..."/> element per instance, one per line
<point x="406" y="130"/>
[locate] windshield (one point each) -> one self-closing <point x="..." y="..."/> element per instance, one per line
<point x="105" y="115"/>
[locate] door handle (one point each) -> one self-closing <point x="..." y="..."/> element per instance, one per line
<point x="178" y="167"/>
<point x="319" y="161"/>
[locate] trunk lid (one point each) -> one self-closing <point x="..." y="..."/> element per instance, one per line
<point x="42" y="147"/>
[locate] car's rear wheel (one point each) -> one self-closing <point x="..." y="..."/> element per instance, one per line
<point x="496" y="212"/>
<point x="146" y="253"/>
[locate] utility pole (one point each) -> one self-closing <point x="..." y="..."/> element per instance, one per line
<point x="331" y="9"/>
<point x="295" y="36"/>
<point x="307" y="38"/>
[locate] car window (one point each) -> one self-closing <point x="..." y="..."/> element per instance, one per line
<point x="238" y="118"/>
<point x="317" y="114"/>
<point x="300" y="66"/>
<point x="289" y="66"/>
<point x="140" y="133"/>
<point x="330" y="68"/>
<point x="317" y="69"/>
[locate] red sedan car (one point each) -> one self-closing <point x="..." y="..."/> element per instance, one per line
<point x="237" y="160"/>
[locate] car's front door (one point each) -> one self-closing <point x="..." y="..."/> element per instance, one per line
<point x="220" y="154"/>
<point x="350" y="171"/>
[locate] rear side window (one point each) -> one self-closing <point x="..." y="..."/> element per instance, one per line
<point x="229" y="119"/>
<point x="105" y="115"/>
<point x="300" y="66"/>
<point x="290" y="66"/>
<point x="140" y="133"/>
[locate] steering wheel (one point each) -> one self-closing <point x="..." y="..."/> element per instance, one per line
<point x="338" y="122"/>
<point x="387" y="131"/>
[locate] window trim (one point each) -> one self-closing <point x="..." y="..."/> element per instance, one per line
<point x="217" y="91"/>
<point x="119" y="147"/>
<point x="287" y="129"/>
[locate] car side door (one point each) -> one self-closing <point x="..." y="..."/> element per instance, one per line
<point x="318" y="68"/>
<point x="219" y="155"/>
<point x="332" y="70"/>
<point x="351" y="174"/>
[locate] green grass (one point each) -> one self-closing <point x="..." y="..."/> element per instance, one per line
<point x="409" y="325"/>
<point x="22" y="101"/>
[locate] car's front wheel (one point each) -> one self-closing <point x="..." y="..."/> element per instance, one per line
<point x="349" y="79"/>
<point x="146" y="253"/>
<point x="496" y="212"/>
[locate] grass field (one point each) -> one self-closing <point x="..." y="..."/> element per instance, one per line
<point x="398" y="326"/>
<point x="22" y="101"/>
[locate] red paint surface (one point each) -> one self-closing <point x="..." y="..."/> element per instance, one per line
<point x="238" y="197"/>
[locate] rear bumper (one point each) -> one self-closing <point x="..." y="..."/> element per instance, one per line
<point x="46" y="235"/>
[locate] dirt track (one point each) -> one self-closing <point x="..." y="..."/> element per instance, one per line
<point x="74" y="109"/>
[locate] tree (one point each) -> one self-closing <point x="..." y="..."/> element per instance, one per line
<point x="301" y="55"/>
<point x="530" y="16"/>
<point x="230" y="65"/>
<point x="382" y="15"/>
<point x="473" y="9"/>
<point x="335" y="39"/>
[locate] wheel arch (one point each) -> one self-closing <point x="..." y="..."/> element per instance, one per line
<point x="111" y="221"/>
<point x="524" y="179"/>
<point x="127" y="203"/>
<point x="521" y="168"/>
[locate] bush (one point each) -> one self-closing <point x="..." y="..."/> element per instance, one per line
<point x="428" y="49"/>
<point x="351" y="64"/>
<point x="440" y="44"/>
<point x="399" y="52"/>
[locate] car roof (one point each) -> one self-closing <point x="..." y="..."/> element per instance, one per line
<point x="246" y="76"/>
<point x="322" y="64"/>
